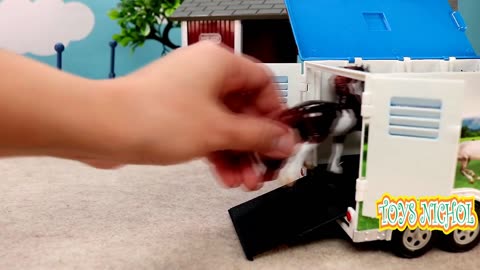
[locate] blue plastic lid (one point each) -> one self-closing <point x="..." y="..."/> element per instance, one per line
<point x="378" y="29"/>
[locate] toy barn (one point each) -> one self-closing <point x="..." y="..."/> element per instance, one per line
<point x="417" y="100"/>
<point x="259" y="28"/>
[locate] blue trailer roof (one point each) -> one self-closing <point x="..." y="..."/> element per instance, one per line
<point x="378" y="29"/>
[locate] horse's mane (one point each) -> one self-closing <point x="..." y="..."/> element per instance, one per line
<point x="359" y="68"/>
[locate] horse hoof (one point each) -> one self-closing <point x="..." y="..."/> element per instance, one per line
<point x="290" y="184"/>
<point x="309" y="166"/>
<point x="336" y="170"/>
<point x="284" y="179"/>
<point x="286" y="182"/>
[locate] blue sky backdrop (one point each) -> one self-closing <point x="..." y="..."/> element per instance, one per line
<point x="472" y="123"/>
<point x="90" y="57"/>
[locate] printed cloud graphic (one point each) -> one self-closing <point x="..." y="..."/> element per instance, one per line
<point x="35" y="27"/>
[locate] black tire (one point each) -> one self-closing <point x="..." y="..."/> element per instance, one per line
<point x="411" y="243"/>
<point x="460" y="241"/>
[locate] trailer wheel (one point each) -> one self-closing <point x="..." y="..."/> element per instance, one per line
<point x="461" y="240"/>
<point x="411" y="243"/>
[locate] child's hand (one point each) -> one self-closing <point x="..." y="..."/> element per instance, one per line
<point x="197" y="102"/>
<point x="200" y="101"/>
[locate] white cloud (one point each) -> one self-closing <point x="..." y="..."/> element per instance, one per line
<point x="35" y="27"/>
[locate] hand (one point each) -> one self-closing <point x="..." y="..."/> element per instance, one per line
<point x="200" y="102"/>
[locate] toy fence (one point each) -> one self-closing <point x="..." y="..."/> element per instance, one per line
<point x="60" y="48"/>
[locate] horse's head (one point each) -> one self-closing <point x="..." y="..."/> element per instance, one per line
<point x="311" y="119"/>
<point x="341" y="83"/>
<point x="359" y="68"/>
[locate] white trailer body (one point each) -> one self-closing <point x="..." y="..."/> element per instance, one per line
<point x="417" y="108"/>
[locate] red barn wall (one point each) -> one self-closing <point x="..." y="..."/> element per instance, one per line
<point x="226" y="30"/>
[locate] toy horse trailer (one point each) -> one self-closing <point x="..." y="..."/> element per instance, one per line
<point x="420" y="118"/>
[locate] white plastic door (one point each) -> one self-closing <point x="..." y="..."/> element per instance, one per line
<point x="414" y="129"/>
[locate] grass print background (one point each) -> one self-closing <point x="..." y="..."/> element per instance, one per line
<point x="470" y="132"/>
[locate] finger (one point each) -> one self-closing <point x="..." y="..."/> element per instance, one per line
<point x="278" y="154"/>
<point x="244" y="74"/>
<point x="251" y="180"/>
<point x="254" y="134"/>
<point x="227" y="176"/>
<point x="271" y="167"/>
<point x="237" y="168"/>
<point x="253" y="173"/>
<point x="254" y="103"/>
<point x="105" y="165"/>
<point x="250" y="176"/>
<point x="267" y="98"/>
<point x="227" y="172"/>
<point x="234" y="73"/>
<point x="270" y="175"/>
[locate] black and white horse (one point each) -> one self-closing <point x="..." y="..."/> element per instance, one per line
<point x="316" y="120"/>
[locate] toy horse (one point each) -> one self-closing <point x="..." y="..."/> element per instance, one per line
<point x="315" y="121"/>
<point x="349" y="94"/>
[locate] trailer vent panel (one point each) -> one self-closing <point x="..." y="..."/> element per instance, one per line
<point x="281" y="82"/>
<point x="415" y="117"/>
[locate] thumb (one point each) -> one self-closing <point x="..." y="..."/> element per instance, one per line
<point x="258" y="134"/>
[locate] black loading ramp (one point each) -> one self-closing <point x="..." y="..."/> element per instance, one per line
<point x="289" y="215"/>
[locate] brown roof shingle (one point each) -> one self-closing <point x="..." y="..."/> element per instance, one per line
<point x="230" y="9"/>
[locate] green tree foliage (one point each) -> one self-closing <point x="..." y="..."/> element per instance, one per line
<point x="464" y="132"/>
<point x="142" y="20"/>
<point x="469" y="133"/>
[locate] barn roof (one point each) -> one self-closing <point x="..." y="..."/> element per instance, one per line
<point x="377" y="29"/>
<point x="230" y="9"/>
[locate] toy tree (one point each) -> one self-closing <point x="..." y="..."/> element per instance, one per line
<point x="142" y="20"/>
